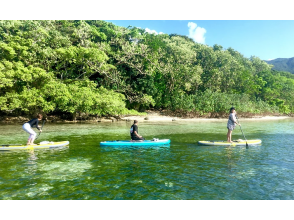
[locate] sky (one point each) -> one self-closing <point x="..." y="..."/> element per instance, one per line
<point x="266" y="39"/>
<point x="253" y="28"/>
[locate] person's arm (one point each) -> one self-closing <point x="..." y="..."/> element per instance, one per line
<point x="36" y="122"/>
<point x="135" y="132"/>
<point x="235" y="120"/>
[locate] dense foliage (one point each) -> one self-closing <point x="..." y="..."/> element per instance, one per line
<point x="98" y="68"/>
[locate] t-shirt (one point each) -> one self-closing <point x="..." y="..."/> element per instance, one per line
<point x="232" y="120"/>
<point x="34" y="123"/>
<point x="133" y="128"/>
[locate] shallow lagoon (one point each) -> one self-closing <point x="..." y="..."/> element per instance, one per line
<point x="184" y="170"/>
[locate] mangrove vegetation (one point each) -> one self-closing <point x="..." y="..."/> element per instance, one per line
<point x="98" y="68"/>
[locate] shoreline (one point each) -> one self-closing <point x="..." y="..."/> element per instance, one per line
<point x="179" y="119"/>
<point x="146" y="118"/>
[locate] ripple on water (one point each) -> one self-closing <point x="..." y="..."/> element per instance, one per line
<point x="65" y="170"/>
<point x="183" y="170"/>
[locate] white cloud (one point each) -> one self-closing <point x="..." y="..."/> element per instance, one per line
<point x="196" y="33"/>
<point x="152" y="31"/>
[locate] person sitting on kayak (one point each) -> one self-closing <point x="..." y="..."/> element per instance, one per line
<point x="231" y="124"/>
<point x="134" y="132"/>
<point x="28" y="128"/>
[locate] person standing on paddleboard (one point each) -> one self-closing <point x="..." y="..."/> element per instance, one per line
<point x="231" y="124"/>
<point x="134" y="132"/>
<point x="28" y="128"/>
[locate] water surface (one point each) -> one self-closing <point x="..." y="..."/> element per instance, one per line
<point x="182" y="171"/>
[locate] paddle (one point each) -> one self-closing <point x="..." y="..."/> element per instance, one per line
<point x="242" y="133"/>
<point x="41" y="128"/>
<point x="7" y="145"/>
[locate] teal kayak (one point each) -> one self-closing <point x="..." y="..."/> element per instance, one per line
<point x="156" y="142"/>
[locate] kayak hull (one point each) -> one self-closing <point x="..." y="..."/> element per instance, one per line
<point x="225" y="143"/>
<point x="38" y="146"/>
<point x="136" y="143"/>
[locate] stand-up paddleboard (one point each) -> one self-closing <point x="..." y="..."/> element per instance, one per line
<point x="154" y="142"/>
<point x="234" y="143"/>
<point x="41" y="145"/>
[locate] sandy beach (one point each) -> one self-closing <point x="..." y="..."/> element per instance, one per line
<point x="160" y="118"/>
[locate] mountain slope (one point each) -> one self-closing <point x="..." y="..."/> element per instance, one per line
<point x="282" y="64"/>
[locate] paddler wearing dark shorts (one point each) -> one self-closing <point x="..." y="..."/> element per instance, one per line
<point x="134" y="132"/>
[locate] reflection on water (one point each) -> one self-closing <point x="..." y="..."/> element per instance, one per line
<point x="128" y="148"/>
<point x="182" y="170"/>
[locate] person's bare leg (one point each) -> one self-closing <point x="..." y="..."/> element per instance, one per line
<point x="229" y="136"/>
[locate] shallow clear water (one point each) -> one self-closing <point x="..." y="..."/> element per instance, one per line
<point x="184" y="170"/>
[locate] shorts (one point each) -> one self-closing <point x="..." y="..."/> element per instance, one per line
<point x="231" y="127"/>
<point x="137" y="138"/>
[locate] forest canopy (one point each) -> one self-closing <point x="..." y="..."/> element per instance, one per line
<point x="98" y="68"/>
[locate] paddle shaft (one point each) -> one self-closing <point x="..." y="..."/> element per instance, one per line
<point x="7" y="145"/>
<point x="242" y="132"/>
<point x="41" y="129"/>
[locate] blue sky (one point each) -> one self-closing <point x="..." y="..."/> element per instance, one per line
<point x="266" y="39"/>
<point x="258" y="28"/>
